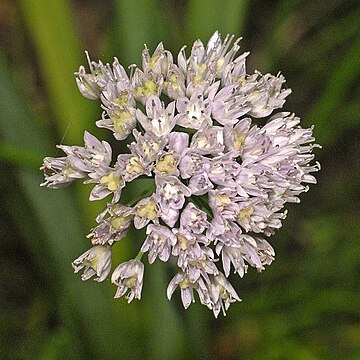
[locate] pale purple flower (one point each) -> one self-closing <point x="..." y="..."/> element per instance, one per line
<point x="205" y="64"/>
<point x="228" y="106"/>
<point x="195" y="67"/>
<point x="251" y="180"/>
<point x="250" y="252"/>
<point x="233" y="256"/>
<point x="58" y="172"/>
<point x="170" y="193"/>
<point x="200" y="184"/>
<point x="117" y="93"/>
<point x="194" y="112"/>
<point x="113" y="227"/>
<point x="167" y="164"/>
<point x="145" y="210"/>
<point x="192" y="164"/>
<point x="208" y="140"/>
<point x="224" y="169"/>
<point x="178" y="142"/>
<point x="147" y="146"/>
<point x="120" y="119"/>
<point x="88" y="82"/>
<point x="234" y="136"/>
<point x="159" y="62"/>
<point x="159" y="242"/>
<point x="158" y="120"/>
<point x="187" y="290"/>
<point x="132" y="166"/>
<point x="109" y="181"/>
<point x="201" y="264"/>
<point x="187" y="247"/>
<point x="235" y="71"/>
<point x="95" y="154"/>
<point x="267" y="95"/>
<point x="194" y="219"/>
<point x="146" y="84"/>
<point x="255" y="251"/>
<point x="194" y="257"/>
<point x="114" y="73"/>
<point x="222" y="202"/>
<point x="95" y="261"/>
<point x="174" y="86"/>
<point x="128" y="276"/>
<point x="222" y="294"/>
<point x="220" y="52"/>
<point x="223" y="231"/>
<point x="257" y="215"/>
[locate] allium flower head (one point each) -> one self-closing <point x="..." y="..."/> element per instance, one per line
<point x="224" y="163"/>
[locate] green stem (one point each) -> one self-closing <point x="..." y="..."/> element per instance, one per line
<point x="139" y="255"/>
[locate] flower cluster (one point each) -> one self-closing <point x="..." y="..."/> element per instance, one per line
<point x="221" y="177"/>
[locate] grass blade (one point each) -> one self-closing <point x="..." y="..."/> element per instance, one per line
<point x="137" y="23"/>
<point x="323" y="112"/>
<point x="228" y="17"/>
<point x="53" y="34"/>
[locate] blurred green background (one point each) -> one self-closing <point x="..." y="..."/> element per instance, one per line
<point x="306" y="305"/>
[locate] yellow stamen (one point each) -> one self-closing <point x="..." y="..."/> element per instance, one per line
<point x="238" y="140"/>
<point x="148" y="89"/>
<point x="131" y="282"/>
<point x="123" y="99"/>
<point x="221" y="201"/>
<point x="184" y="283"/>
<point x="133" y="166"/>
<point x="119" y="221"/>
<point x="200" y="72"/>
<point x="223" y="293"/>
<point x="166" y="164"/>
<point x="245" y="213"/>
<point x="111" y="181"/>
<point x="241" y="80"/>
<point x="174" y="81"/>
<point x="153" y="61"/>
<point x="220" y="64"/>
<point x="147" y="210"/>
<point x="94" y="260"/>
<point x="150" y="148"/>
<point x="184" y="242"/>
<point x="68" y="170"/>
<point x="119" y="120"/>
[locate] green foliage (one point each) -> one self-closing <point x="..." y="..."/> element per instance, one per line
<point x="227" y="17"/>
<point x="54" y="38"/>
<point x="305" y="306"/>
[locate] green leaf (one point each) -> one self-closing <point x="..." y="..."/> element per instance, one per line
<point x="17" y="126"/>
<point x="52" y="31"/>
<point x="325" y="113"/>
<point x="20" y="156"/>
<point x="53" y="34"/>
<point x="226" y="17"/>
<point x="137" y="23"/>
